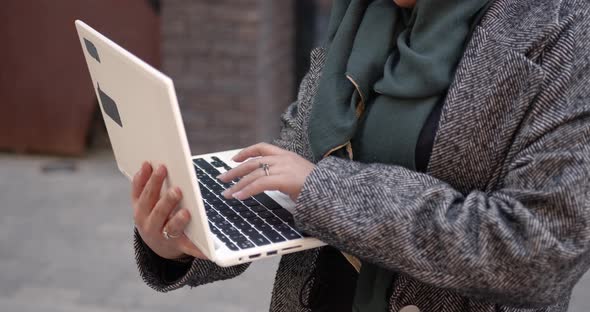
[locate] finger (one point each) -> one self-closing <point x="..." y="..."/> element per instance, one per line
<point x="265" y="183"/>
<point x="253" y="176"/>
<point x="164" y="208"/>
<point x="175" y="225"/>
<point x="187" y="247"/>
<point x="140" y="179"/>
<point x="260" y="149"/>
<point x="246" y="168"/>
<point x="152" y="190"/>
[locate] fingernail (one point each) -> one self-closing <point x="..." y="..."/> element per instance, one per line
<point x="161" y="170"/>
<point x="238" y="195"/>
<point x="225" y="193"/>
<point x="176" y="193"/>
<point x="219" y="177"/>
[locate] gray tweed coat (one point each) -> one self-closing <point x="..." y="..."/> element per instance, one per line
<point x="501" y="221"/>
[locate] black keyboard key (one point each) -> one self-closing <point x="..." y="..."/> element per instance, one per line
<point x="233" y="202"/>
<point x="206" y="166"/>
<point x="258" y="208"/>
<point x="227" y="212"/>
<point x="245" y="245"/>
<point x="205" y="193"/>
<point x="256" y="221"/>
<point x="217" y="162"/>
<point x="265" y="214"/>
<point x="216" y="231"/>
<point x="274" y="221"/>
<point x="225" y="185"/>
<point x="237" y="237"/>
<point x="274" y="236"/>
<point x="284" y="214"/>
<point x="242" y="225"/>
<point x="259" y="240"/>
<point x="201" y="163"/>
<point x="230" y="231"/>
<point x="222" y="224"/>
<point x="207" y="181"/>
<point x="267" y="201"/>
<point x="224" y="239"/>
<point x="212" y="171"/>
<point x="216" y="202"/>
<point x="234" y="218"/>
<point x="250" y="202"/>
<point x="213" y="228"/>
<point x="291" y="235"/>
<point x="264" y="228"/>
<point x="216" y="218"/>
<point x="247" y="214"/>
<point x="216" y="188"/>
<point x="211" y="214"/>
<point x="250" y="231"/>
<point x="200" y="173"/>
<point x="240" y="208"/>
<point x="209" y="198"/>
<point x="232" y="246"/>
<point x="286" y="231"/>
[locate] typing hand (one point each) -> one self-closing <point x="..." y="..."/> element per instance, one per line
<point x="268" y="168"/>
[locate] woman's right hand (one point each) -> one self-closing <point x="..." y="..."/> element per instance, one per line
<point x="155" y="214"/>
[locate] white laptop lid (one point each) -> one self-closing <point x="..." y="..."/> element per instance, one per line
<point x="143" y="120"/>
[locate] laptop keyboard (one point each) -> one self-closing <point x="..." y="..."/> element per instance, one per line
<point x="256" y="221"/>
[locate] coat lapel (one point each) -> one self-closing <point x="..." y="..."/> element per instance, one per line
<point x="494" y="85"/>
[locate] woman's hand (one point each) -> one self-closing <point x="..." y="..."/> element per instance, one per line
<point x="287" y="172"/>
<point x="155" y="214"/>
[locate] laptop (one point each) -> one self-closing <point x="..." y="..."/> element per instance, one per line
<point x="144" y="123"/>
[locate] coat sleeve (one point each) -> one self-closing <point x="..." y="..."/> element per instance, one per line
<point x="166" y="275"/>
<point x="525" y="244"/>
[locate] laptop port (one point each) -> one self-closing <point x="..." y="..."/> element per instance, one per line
<point x="290" y="248"/>
<point x="254" y="256"/>
<point x="272" y="253"/>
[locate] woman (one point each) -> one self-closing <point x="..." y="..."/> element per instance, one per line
<point x="443" y="143"/>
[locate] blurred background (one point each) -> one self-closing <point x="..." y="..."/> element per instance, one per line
<point x="65" y="214"/>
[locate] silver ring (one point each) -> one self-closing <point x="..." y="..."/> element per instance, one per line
<point x="266" y="168"/>
<point x="169" y="236"/>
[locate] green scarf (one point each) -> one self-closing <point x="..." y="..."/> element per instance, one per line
<point x="402" y="62"/>
<point x="386" y="68"/>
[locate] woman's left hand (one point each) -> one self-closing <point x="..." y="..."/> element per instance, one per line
<point x="287" y="172"/>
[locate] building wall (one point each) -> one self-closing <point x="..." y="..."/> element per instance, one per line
<point x="232" y="64"/>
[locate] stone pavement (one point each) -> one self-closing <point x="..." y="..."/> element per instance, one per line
<point x="65" y="245"/>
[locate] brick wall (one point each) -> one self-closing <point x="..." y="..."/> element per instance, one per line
<point x="232" y="64"/>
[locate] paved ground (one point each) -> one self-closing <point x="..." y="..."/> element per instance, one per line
<point x="65" y="245"/>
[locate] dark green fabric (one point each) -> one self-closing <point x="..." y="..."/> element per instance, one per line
<point x="402" y="62"/>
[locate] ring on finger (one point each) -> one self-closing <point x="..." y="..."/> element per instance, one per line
<point x="169" y="236"/>
<point x="266" y="168"/>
